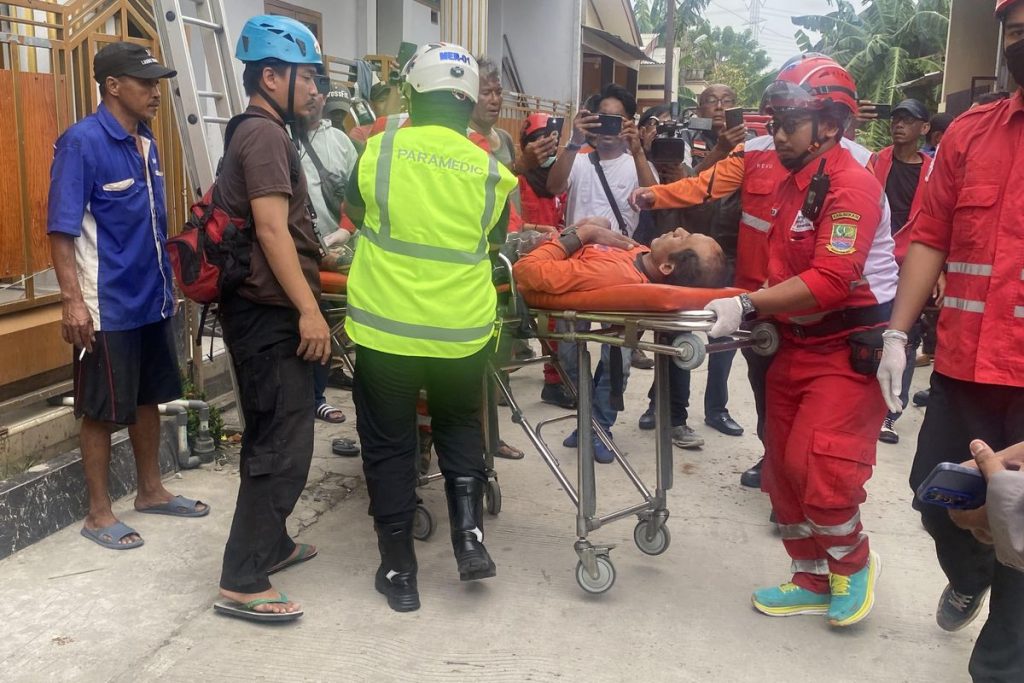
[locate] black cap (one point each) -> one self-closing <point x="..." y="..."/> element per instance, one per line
<point x="913" y="107"/>
<point x="338" y="99"/>
<point x="940" y="122"/>
<point x="128" y="59"/>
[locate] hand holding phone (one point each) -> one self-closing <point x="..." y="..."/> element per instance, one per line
<point x="609" y="124"/>
<point x="733" y="118"/>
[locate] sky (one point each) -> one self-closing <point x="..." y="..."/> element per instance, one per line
<point x="777" y="29"/>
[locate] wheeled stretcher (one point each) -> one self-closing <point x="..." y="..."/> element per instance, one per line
<point x="623" y="314"/>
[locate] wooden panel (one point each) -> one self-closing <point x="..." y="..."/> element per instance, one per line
<point x="32" y="343"/>
<point x="12" y="242"/>
<point x="38" y="103"/>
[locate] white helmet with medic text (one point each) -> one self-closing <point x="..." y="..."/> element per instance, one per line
<point x="437" y="67"/>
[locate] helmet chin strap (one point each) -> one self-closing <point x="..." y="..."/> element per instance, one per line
<point x="796" y="164"/>
<point x="287" y="115"/>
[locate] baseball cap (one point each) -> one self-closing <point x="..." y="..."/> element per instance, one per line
<point x="940" y="122"/>
<point x="128" y="59"/>
<point x="337" y="100"/>
<point x="913" y="107"/>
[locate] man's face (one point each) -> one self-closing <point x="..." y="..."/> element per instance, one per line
<point x="662" y="248"/>
<point x="488" y="103"/>
<point x="610" y="143"/>
<point x="713" y="103"/>
<point x="793" y="133"/>
<point x="936" y="137"/>
<point x="139" y="97"/>
<point x="906" y="129"/>
<point x="317" y="111"/>
<point x="305" y="88"/>
<point x="1013" y="25"/>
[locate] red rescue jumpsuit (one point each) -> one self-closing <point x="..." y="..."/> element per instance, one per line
<point x="823" y="418"/>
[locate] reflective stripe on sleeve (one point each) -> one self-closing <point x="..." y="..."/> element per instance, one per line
<point x="809" y="566"/>
<point x="412" y="331"/>
<point x="755" y="222"/>
<point x="980" y="269"/>
<point x="963" y="304"/>
<point x="844" y="529"/>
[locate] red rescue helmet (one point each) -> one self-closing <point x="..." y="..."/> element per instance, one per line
<point x="533" y="123"/>
<point x="1003" y="5"/>
<point x="815" y="82"/>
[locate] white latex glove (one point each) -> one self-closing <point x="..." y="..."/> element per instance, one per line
<point x="891" y="367"/>
<point x="728" y="316"/>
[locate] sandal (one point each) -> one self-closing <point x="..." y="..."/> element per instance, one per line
<point x="110" y="536"/>
<point x="246" y="610"/>
<point x="305" y="553"/>
<point x="348" y="448"/>
<point x="508" y="452"/>
<point x="328" y="413"/>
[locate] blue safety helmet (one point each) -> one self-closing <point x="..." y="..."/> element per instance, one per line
<point x="269" y="36"/>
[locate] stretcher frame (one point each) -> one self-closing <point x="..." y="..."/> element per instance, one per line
<point x="595" y="572"/>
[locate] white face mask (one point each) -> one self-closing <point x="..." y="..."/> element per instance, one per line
<point x="547" y="162"/>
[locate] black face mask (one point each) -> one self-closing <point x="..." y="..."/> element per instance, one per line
<point x="1015" y="61"/>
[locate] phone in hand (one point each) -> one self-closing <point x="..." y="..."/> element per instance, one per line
<point x="733" y="117"/>
<point x="611" y="124"/>
<point x="883" y="111"/>
<point x="953" y="486"/>
<point x="554" y="126"/>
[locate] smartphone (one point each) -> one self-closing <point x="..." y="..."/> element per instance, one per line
<point x="883" y="111"/>
<point x="610" y="125"/>
<point x="554" y="126"/>
<point x="953" y="486"/>
<point x="733" y="117"/>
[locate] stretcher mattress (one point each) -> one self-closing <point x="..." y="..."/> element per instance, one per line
<point x="333" y="283"/>
<point x="639" y="298"/>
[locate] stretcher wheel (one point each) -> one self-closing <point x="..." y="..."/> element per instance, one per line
<point x="422" y="523"/>
<point x="605" y="576"/>
<point x="655" y="546"/>
<point x="492" y="497"/>
<point x="693" y="351"/>
<point x="766" y="339"/>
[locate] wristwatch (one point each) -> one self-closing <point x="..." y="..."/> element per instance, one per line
<point x="747" y="306"/>
<point x="570" y="241"/>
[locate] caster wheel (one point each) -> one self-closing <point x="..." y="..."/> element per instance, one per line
<point x="422" y="523"/>
<point x="693" y="351"/>
<point x="766" y="338"/>
<point x="492" y="497"/>
<point x="655" y="546"/>
<point x="605" y="576"/>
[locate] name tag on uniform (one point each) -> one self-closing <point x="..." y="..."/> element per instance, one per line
<point x="801" y="223"/>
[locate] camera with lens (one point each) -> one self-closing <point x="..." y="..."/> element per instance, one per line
<point x="670" y="142"/>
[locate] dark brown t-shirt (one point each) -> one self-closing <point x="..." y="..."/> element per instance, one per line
<point x="261" y="161"/>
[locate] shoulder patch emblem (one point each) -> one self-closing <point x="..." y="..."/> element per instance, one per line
<point x="843" y="239"/>
<point x="840" y="215"/>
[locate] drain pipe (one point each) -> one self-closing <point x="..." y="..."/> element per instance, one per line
<point x="204" y="445"/>
<point x="186" y="460"/>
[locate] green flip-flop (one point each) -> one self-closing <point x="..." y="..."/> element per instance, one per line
<point x="306" y="552"/>
<point x="247" y="611"/>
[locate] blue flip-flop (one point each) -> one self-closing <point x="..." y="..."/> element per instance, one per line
<point x="178" y="506"/>
<point x="110" y="536"/>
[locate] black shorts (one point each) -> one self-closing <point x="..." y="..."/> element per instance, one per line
<point x="127" y="369"/>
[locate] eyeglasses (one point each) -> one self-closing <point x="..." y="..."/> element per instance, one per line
<point x="725" y="102"/>
<point x="788" y="125"/>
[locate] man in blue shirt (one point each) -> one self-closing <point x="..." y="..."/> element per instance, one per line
<point x="107" y="222"/>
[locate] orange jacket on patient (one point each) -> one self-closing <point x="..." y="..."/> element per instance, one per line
<point x="548" y="269"/>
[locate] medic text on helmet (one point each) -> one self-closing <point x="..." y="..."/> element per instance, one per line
<point x="440" y="161"/>
<point x="454" y="57"/>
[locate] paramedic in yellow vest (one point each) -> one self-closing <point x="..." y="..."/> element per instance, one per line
<point x="421" y="310"/>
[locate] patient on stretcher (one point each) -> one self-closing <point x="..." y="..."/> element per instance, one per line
<point x="591" y="257"/>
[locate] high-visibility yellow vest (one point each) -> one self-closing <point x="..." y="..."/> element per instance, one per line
<point x="420" y="283"/>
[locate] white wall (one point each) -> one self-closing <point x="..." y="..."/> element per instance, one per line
<point x="416" y="26"/>
<point x="540" y="35"/>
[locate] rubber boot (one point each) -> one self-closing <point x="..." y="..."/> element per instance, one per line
<point x="466" y="513"/>
<point x="396" y="576"/>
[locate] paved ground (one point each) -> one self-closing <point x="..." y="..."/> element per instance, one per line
<point x="74" y="612"/>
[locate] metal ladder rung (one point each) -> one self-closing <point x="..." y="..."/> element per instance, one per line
<point x="211" y="94"/>
<point x="202" y="23"/>
<point x="215" y="119"/>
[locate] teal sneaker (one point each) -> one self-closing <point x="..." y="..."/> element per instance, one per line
<point x="789" y="600"/>
<point x="854" y="596"/>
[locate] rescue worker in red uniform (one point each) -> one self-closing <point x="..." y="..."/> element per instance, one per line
<point x="752" y="168"/>
<point x="831" y="279"/>
<point x="972" y="220"/>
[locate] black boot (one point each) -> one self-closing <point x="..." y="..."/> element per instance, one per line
<point x="396" y="577"/>
<point x="466" y="514"/>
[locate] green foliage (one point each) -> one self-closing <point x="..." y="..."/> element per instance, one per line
<point x="886" y="43"/>
<point x="190" y="392"/>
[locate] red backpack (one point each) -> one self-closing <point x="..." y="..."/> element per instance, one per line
<point x="212" y="254"/>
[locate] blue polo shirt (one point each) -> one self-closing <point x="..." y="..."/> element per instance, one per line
<point x="112" y="203"/>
